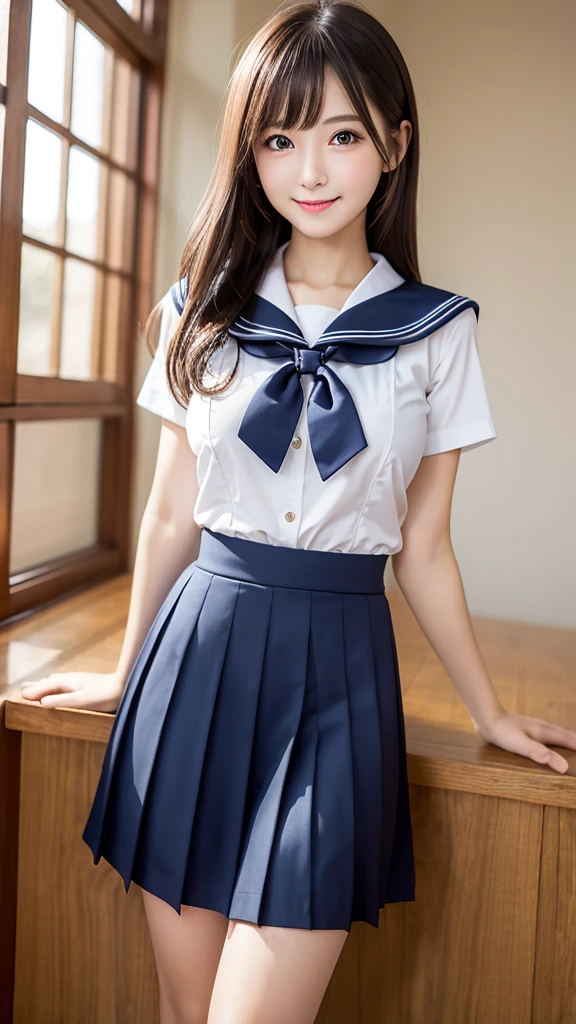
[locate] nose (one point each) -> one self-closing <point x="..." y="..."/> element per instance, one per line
<point x="312" y="170"/>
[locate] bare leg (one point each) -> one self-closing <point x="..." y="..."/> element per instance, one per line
<point x="186" y="950"/>
<point x="273" y="974"/>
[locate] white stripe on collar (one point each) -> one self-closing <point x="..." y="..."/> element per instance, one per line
<point x="273" y="287"/>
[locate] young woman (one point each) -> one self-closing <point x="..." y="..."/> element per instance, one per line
<point x="315" y="397"/>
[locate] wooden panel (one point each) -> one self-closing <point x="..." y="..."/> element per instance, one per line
<point x="60" y="412"/>
<point x="62" y="576"/>
<point x="6" y="474"/>
<point x="463" y="953"/>
<point x="10" y="743"/>
<point x="67" y="723"/>
<point x="57" y="389"/>
<point x="12" y="189"/>
<point x="555" y="977"/>
<point x="83" y="952"/>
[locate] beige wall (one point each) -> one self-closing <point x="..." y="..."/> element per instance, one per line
<point x="495" y="87"/>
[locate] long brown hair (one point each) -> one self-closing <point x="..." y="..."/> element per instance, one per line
<point x="279" y="80"/>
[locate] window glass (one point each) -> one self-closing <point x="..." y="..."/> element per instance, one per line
<point x="47" y="61"/>
<point x="116" y="299"/>
<point x="42" y="173"/>
<point x="78" y="305"/>
<point x="132" y="7"/>
<point x="82" y="203"/>
<point x="4" y="16"/>
<point x="37" y="279"/>
<point x="88" y="87"/>
<point x="56" y="490"/>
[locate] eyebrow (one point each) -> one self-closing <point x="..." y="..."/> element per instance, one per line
<point x="342" y="117"/>
<point x="331" y="120"/>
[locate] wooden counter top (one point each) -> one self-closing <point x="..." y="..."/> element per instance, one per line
<point x="532" y="668"/>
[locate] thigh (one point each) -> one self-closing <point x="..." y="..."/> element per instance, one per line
<point x="278" y="974"/>
<point x="187" y="949"/>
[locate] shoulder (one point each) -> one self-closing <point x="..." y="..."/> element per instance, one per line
<point x="179" y="290"/>
<point x="461" y="333"/>
<point x="436" y="303"/>
<point x="177" y="294"/>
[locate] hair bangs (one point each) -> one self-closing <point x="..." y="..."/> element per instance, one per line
<point x="288" y="94"/>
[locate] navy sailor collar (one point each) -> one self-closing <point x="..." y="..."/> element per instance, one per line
<point x="382" y="313"/>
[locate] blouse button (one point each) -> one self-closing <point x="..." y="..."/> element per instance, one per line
<point x="290" y="517"/>
<point x="296" y="442"/>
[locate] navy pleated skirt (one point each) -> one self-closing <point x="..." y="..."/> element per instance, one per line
<point x="257" y="761"/>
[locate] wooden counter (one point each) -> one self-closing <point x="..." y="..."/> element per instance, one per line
<point x="491" y="938"/>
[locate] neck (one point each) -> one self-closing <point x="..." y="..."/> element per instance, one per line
<point x="324" y="271"/>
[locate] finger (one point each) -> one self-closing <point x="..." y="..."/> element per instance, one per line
<point x="72" y="699"/>
<point x="550" y="732"/>
<point x="543" y="755"/>
<point x="559" y="736"/>
<point x="45" y="686"/>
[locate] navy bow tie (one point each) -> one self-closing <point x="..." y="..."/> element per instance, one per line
<point x="368" y="332"/>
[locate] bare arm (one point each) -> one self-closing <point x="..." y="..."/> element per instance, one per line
<point x="428" y="575"/>
<point x="168" y="541"/>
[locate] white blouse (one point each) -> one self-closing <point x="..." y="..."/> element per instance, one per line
<point x="428" y="398"/>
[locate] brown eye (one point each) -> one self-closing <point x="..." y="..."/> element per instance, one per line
<point x="347" y="134"/>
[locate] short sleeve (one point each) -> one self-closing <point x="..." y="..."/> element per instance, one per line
<point x="155" y="394"/>
<point x="459" y="414"/>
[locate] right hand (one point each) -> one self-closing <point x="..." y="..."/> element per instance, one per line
<point x="91" y="691"/>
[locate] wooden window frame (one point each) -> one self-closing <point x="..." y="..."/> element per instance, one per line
<point x="25" y="397"/>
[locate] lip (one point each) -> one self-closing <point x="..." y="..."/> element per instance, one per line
<point x="317" y="206"/>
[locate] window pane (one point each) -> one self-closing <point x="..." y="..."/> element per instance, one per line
<point x="121" y="209"/>
<point x="116" y="298"/>
<point x="37" y="276"/>
<point x="131" y="7"/>
<point x="47" y="58"/>
<point x="82" y="203"/>
<point x="77" y="320"/>
<point x="127" y="84"/>
<point x="4" y="15"/>
<point x="88" y="87"/>
<point x="42" y="172"/>
<point x="56" y="489"/>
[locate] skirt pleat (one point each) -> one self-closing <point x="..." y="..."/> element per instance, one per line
<point x="277" y="722"/>
<point x="369" y="736"/>
<point x="214" y="852"/>
<point x="256" y="764"/>
<point x="96" y="830"/>
<point x="333" y="798"/>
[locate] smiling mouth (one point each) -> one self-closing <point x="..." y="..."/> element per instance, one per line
<point x="316" y="205"/>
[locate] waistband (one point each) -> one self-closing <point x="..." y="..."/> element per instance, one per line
<point x="299" y="568"/>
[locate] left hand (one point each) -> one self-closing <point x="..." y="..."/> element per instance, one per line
<point x="528" y="736"/>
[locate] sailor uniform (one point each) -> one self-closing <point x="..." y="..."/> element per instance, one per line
<point x="257" y="760"/>
<point x="429" y="397"/>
